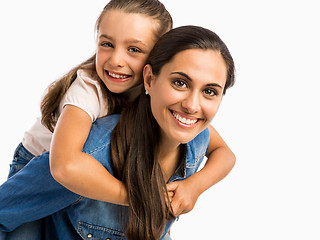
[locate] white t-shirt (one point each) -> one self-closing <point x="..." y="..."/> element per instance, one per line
<point x="85" y="93"/>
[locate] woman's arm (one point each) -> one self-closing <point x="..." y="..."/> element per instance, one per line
<point x="76" y="170"/>
<point x="220" y="162"/>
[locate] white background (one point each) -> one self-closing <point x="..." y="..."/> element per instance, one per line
<point x="270" y="118"/>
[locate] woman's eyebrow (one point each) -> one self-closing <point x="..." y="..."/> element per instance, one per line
<point x="214" y="85"/>
<point x="189" y="78"/>
<point x="182" y="74"/>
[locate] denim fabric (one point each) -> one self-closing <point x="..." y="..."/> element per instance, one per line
<point x="21" y="157"/>
<point x="32" y="194"/>
<point x="91" y="219"/>
<point x="33" y="230"/>
<point x="3" y="235"/>
<point x="167" y="237"/>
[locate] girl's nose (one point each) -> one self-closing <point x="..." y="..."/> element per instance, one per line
<point x="117" y="58"/>
<point x="191" y="104"/>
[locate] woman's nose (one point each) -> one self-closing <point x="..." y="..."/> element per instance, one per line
<point x="191" y="104"/>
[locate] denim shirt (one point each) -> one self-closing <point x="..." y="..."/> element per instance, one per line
<point x="32" y="193"/>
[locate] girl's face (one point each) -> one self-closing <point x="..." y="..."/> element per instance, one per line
<point x="124" y="43"/>
<point x="187" y="93"/>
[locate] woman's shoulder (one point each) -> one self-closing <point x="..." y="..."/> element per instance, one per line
<point x="202" y="138"/>
<point x="100" y="133"/>
<point x="197" y="149"/>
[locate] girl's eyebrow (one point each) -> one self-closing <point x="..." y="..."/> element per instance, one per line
<point x="105" y="36"/>
<point x="189" y="78"/>
<point x="129" y="41"/>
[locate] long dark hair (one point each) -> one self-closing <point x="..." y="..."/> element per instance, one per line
<point x="135" y="139"/>
<point x="56" y="91"/>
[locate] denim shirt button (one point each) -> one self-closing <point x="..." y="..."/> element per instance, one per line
<point x="108" y="238"/>
<point x="89" y="235"/>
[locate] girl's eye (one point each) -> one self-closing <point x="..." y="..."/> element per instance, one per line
<point x="210" y="92"/>
<point x="106" y="44"/>
<point x="134" y="49"/>
<point x="180" y="83"/>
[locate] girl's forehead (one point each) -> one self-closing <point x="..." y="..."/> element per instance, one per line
<point x="127" y="22"/>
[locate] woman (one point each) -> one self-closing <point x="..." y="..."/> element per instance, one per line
<point x="161" y="136"/>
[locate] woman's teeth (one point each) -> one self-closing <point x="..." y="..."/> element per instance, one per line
<point x="183" y="119"/>
<point x="117" y="75"/>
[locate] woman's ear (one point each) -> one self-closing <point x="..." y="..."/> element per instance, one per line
<point x="148" y="76"/>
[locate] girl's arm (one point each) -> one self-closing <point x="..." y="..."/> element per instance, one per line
<point x="219" y="163"/>
<point x="75" y="169"/>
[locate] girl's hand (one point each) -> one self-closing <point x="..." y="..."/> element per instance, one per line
<point x="184" y="196"/>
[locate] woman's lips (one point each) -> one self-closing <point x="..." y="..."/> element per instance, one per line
<point x="183" y="120"/>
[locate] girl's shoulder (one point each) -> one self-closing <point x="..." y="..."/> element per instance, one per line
<point x="86" y="75"/>
<point x="86" y="93"/>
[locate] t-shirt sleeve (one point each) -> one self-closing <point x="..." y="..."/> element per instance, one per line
<point x="85" y="93"/>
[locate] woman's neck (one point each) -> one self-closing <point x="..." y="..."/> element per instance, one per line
<point x="169" y="159"/>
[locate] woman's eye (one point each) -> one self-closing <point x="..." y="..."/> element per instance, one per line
<point x="133" y="49"/>
<point x="180" y="83"/>
<point x="210" y="92"/>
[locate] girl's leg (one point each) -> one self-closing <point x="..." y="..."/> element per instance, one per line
<point x="20" y="158"/>
<point x="33" y="230"/>
<point x="3" y="235"/>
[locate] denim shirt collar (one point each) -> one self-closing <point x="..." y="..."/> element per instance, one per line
<point x="192" y="155"/>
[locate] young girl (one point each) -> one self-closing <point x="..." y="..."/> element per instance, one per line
<point x="161" y="136"/>
<point x="126" y="33"/>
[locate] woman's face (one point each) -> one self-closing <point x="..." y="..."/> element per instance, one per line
<point x="187" y="93"/>
<point x="124" y="43"/>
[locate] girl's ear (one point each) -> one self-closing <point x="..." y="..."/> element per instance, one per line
<point x="148" y="76"/>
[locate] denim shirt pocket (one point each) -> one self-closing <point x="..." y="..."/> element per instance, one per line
<point x="94" y="232"/>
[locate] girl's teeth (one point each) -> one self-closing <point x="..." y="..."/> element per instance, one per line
<point x="184" y="120"/>
<point x="117" y="76"/>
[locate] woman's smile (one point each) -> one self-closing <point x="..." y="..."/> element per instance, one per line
<point x="187" y="93"/>
<point x="184" y="120"/>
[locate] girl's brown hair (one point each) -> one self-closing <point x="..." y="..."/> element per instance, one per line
<point x="57" y="90"/>
<point x="135" y="139"/>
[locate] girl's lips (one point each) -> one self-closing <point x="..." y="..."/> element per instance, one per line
<point x="184" y="120"/>
<point x="117" y="77"/>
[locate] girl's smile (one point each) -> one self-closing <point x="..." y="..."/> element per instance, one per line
<point x="121" y="55"/>
<point x="117" y="77"/>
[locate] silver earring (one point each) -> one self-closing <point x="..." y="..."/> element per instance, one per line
<point x="147" y="92"/>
